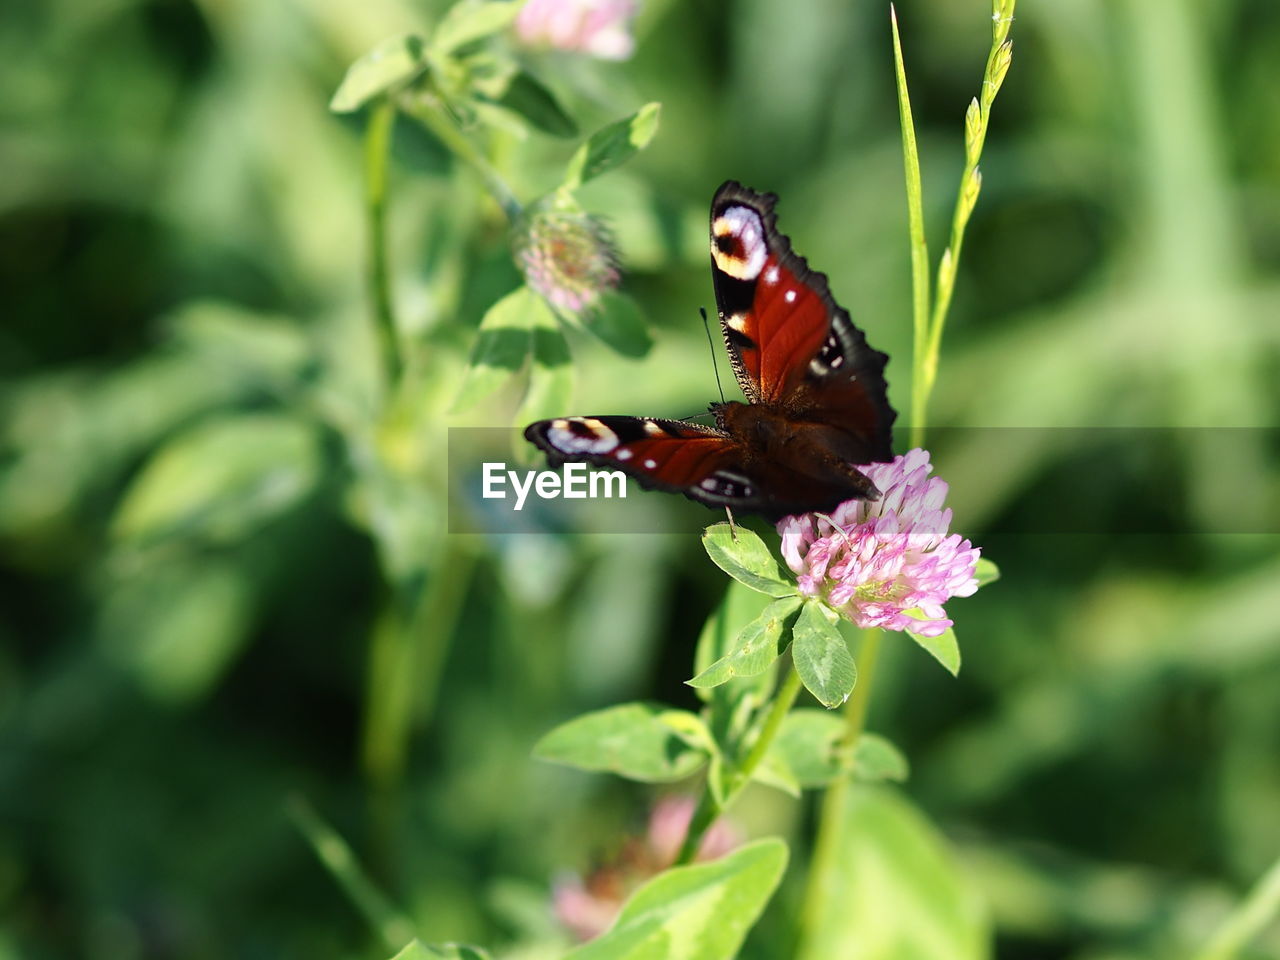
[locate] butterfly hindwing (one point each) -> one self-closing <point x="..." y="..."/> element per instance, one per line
<point x="790" y="343"/>
<point x="703" y="463"/>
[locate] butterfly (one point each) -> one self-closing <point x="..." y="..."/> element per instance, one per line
<point x="816" y="392"/>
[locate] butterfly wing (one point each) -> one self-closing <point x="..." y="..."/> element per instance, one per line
<point x="791" y="344"/>
<point x="703" y="463"/>
<point x="672" y="455"/>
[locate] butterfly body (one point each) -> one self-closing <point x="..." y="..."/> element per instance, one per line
<point x="815" y="390"/>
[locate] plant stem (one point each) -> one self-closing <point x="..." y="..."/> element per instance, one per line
<point x="430" y="112"/>
<point x="392" y="926"/>
<point x="405" y="663"/>
<point x="827" y="844"/>
<point x="1259" y="908"/>
<point x="377" y="149"/>
<point x="708" y="808"/>
<point x="928" y="323"/>
<point x="920" y="382"/>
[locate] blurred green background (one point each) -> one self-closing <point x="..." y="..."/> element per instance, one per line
<point x="226" y="580"/>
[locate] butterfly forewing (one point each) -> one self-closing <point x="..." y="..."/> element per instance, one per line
<point x="790" y="343"/>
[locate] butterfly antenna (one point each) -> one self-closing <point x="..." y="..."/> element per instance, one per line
<point x="706" y="325"/>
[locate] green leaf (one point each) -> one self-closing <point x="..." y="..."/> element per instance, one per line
<point x="774" y="771"/>
<point x="739" y="606"/>
<point x="742" y="555"/>
<point x="809" y="746"/>
<point x="702" y="912"/>
<point x="759" y="645"/>
<point x="417" y="950"/>
<point x="639" y="741"/>
<point x="502" y="344"/>
<point x="875" y="758"/>
<point x="944" y="648"/>
<point x="467" y="21"/>
<point x="527" y="97"/>
<point x="896" y="892"/>
<point x="551" y="372"/>
<point x="732" y="705"/>
<point x="253" y="347"/>
<point x="617" y="320"/>
<point x="221" y="480"/>
<point x="177" y="650"/>
<point x="387" y="67"/>
<point x="920" y="294"/>
<point x="986" y="572"/>
<point x="821" y="655"/>
<point x="612" y="146"/>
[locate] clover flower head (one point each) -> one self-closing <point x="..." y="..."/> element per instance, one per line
<point x="887" y="563"/>
<point x="598" y="28"/>
<point x="567" y="257"/>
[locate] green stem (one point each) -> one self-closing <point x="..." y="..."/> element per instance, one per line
<point x="708" y="809"/>
<point x="1250" y="919"/>
<point x="377" y="149"/>
<point x="405" y="665"/>
<point x="392" y="926"/>
<point x="429" y="112"/>
<point x="920" y="381"/>
<point x="929" y="322"/>
<point x="826" y="851"/>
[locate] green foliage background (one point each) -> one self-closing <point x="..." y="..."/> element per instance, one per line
<point x="227" y="583"/>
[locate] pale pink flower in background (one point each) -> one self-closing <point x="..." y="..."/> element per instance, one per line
<point x="599" y="28"/>
<point x="885" y="557"/>
<point x="587" y="907"/>
<point x="669" y="822"/>
<point x="567" y="257"/>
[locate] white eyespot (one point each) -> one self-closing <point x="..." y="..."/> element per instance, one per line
<point x="837" y="363"/>
<point x="790" y="296"/>
<point x="743" y="224"/>
<point x="624" y="454"/>
<point x="650" y="464"/>
<point x="710" y="483"/>
<point x="737" y="321"/>
<point x="771" y="275"/>
<point x="581" y="435"/>
<point x="652" y="429"/>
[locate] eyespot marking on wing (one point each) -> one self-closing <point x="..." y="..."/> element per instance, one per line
<point x="738" y="243"/>
<point x="724" y="483"/>
<point x="581" y="435"/>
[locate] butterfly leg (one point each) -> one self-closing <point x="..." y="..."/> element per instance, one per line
<point x="733" y="530"/>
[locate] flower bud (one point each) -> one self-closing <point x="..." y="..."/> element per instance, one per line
<point x="567" y="257"/>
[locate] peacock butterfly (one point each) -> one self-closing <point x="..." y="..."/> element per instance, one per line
<point x="816" y="392"/>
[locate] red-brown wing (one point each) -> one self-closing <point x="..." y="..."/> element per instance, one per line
<point x="703" y="463"/>
<point x="790" y="343"/>
<point x="673" y="455"/>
